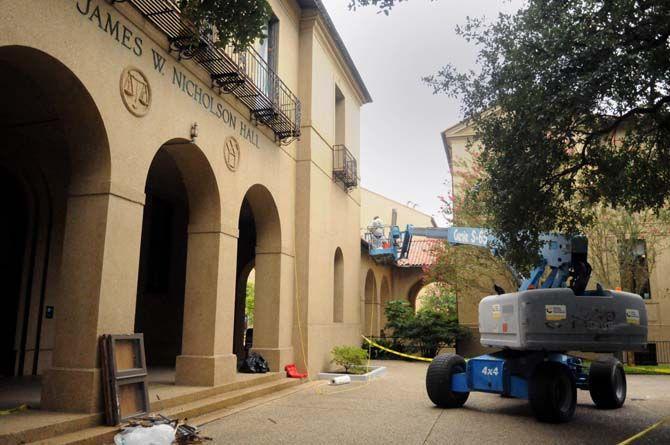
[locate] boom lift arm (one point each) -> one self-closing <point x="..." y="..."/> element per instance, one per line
<point x="566" y="257"/>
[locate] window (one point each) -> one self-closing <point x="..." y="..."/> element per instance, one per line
<point x="270" y="46"/>
<point x="634" y="267"/>
<point x="339" y="117"/>
<point x="338" y="287"/>
<point x="268" y="51"/>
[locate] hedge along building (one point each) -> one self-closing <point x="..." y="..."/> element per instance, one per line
<point x="140" y="194"/>
<point x="456" y="140"/>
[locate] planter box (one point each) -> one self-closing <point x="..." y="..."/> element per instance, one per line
<point x="373" y="373"/>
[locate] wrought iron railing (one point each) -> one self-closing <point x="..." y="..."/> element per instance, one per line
<point x="345" y="167"/>
<point x="243" y="73"/>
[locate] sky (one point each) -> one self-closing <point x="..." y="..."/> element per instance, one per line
<point x="402" y="155"/>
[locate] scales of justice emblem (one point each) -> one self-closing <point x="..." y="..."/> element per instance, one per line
<point x="135" y="91"/>
<point x="231" y="153"/>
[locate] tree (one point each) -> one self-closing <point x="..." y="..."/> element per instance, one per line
<point x="572" y="107"/>
<point x="250" y="303"/>
<point x="236" y="22"/>
<point x="439" y="297"/>
<point x="384" y="6"/>
<point x="468" y="272"/>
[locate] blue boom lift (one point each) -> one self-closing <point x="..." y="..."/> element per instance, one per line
<point x="534" y="328"/>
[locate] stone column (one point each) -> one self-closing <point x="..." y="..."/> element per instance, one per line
<point x="273" y="318"/>
<point x="101" y="248"/>
<point x="206" y="356"/>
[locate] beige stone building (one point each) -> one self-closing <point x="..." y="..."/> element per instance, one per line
<point x="456" y="139"/>
<point x="147" y="172"/>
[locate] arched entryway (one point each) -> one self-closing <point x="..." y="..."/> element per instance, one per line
<point x="260" y="248"/>
<point x="181" y="194"/>
<point x="55" y="176"/>
<point x="371" y="320"/>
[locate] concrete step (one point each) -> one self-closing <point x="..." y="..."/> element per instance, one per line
<point x="203" y="408"/>
<point x="191" y="394"/>
<point x="35" y="425"/>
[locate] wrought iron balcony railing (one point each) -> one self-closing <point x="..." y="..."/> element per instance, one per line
<point x="243" y="73"/>
<point x="345" y="167"/>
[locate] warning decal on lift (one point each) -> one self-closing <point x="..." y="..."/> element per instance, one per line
<point x="496" y="311"/>
<point x="632" y="316"/>
<point x="554" y="312"/>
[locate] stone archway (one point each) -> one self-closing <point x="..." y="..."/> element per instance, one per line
<point x="260" y="244"/>
<point x="159" y="313"/>
<point x="413" y="293"/>
<point x="178" y="284"/>
<point x="57" y="152"/>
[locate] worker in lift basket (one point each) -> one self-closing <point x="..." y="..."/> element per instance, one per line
<point x="376" y="229"/>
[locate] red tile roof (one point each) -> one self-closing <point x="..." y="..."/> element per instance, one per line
<point x="422" y="252"/>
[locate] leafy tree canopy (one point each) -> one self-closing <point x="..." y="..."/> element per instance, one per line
<point x="250" y="303"/>
<point x="236" y="22"/>
<point x="384" y="6"/>
<point x="572" y="106"/>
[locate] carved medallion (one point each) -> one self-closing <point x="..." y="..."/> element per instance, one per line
<point x="231" y="153"/>
<point x="135" y="91"/>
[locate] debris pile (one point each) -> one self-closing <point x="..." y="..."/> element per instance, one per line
<point x="160" y="430"/>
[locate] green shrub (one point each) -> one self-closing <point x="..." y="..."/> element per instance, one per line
<point x="351" y="358"/>
<point x="424" y="332"/>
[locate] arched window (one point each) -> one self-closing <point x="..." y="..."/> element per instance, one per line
<point x="338" y="287"/>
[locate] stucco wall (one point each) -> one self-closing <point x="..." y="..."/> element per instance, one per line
<point x="328" y="215"/>
<point x="375" y="204"/>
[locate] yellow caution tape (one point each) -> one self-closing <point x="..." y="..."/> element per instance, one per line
<point x="400" y="354"/>
<point x="642" y="433"/>
<point x="14" y="410"/>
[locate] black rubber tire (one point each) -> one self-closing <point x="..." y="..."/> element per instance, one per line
<point x="438" y="381"/>
<point x="607" y="383"/>
<point x="552" y="393"/>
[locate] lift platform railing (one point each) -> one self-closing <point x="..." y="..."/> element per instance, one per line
<point x="242" y="73"/>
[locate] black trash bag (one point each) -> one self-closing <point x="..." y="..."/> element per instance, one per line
<point x="254" y="364"/>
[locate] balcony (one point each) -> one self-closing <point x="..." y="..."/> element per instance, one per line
<point x="242" y="73"/>
<point x="345" y="167"/>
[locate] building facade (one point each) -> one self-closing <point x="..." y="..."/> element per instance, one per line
<point x="149" y="171"/>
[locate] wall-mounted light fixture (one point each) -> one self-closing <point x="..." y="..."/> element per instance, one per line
<point x="194" y="131"/>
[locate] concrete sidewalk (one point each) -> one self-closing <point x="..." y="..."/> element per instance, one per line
<point x="396" y="410"/>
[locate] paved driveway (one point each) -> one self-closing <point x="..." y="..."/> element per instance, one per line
<point x="396" y="410"/>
